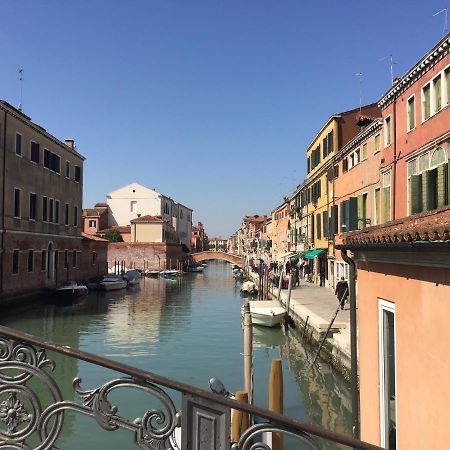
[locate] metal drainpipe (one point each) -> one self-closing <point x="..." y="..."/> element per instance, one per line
<point x="2" y="249"/>
<point x="353" y="343"/>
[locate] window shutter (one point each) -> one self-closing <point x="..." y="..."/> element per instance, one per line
<point x="415" y="193"/>
<point x="330" y="141"/>
<point x="347" y="215"/>
<point x="324" y="147"/>
<point x="386" y="204"/>
<point x="325" y="224"/>
<point x="353" y="212"/>
<point x="428" y="193"/>
<point x="360" y="219"/>
<point x="334" y="219"/>
<point x="319" y="226"/>
<point x="343" y="229"/>
<point x="441" y="185"/>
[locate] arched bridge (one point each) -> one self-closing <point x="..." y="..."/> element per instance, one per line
<point x="202" y="256"/>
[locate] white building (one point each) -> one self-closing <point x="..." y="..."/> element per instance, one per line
<point x="134" y="200"/>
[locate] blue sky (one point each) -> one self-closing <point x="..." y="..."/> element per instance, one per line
<point x="212" y="102"/>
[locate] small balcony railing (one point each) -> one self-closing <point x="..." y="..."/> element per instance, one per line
<point x="203" y="422"/>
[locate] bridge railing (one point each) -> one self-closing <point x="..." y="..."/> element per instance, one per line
<point x="203" y="422"/>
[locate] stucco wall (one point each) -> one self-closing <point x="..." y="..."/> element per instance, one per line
<point x="147" y="232"/>
<point x="421" y="298"/>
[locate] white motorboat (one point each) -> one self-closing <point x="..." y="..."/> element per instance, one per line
<point x="72" y="289"/>
<point x="195" y="269"/>
<point x="169" y="273"/>
<point x="112" y="283"/>
<point x="249" y="288"/>
<point x="132" y="277"/>
<point x="265" y="313"/>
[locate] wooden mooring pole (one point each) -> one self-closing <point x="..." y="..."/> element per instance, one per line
<point x="288" y="302"/>
<point x="276" y="398"/>
<point x="240" y="420"/>
<point x="248" y="357"/>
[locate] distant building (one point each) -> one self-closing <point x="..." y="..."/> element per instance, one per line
<point x="95" y="219"/>
<point x="152" y="229"/>
<point x="217" y="244"/>
<point x="199" y="239"/>
<point x="40" y="203"/>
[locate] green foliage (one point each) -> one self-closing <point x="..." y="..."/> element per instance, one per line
<point x="113" y="236"/>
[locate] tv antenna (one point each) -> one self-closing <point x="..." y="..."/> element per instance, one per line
<point x="20" y="72"/>
<point x="391" y="64"/>
<point x="445" y="11"/>
<point x="360" y="77"/>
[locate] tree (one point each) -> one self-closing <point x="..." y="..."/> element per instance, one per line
<point x="113" y="236"/>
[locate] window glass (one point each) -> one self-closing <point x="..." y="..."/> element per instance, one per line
<point x="15" y="261"/>
<point x="364" y="151"/>
<point x="16" y="202"/>
<point x="18" y="144"/>
<point x="67" y="169"/>
<point x="43" y="260"/>
<point x="377" y="143"/>
<point x="412" y="167"/>
<point x="387" y="179"/>
<point x="424" y="163"/>
<point x="34" y="152"/>
<point x="437" y="94"/>
<point x="411" y="113"/>
<point x="426" y="104"/>
<point x="33" y="204"/>
<point x="438" y="157"/>
<point x="387" y="131"/>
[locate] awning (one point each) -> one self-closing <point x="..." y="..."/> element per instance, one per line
<point x="296" y="257"/>
<point x="312" y="253"/>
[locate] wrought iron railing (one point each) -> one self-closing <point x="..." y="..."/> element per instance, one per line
<point x="203" y="422"/>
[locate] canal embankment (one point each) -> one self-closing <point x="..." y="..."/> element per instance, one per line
<point x="312" y="308"/>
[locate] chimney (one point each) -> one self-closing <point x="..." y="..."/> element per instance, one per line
<point x="70" y="143"/>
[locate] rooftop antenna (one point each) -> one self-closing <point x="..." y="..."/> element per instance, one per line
<point x="391" y="64"/>
<point x="20" y="72"/>
<point x="360" y="76"/>
<point x="445" y="11"/>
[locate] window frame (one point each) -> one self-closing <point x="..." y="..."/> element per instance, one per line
<point x="75" y="216"/>
<point x="38" y="154"/>
<point x="67" y="170"/>
<point x="422" y="92"/>
<point x="67" y="215"/>
<point x="43" y="260"/>
<point x="408" y="112"/>
<point x="387" y="136"/>
<point x="377" y="148"/>
<point x="19" y="215"/>
<point x="30" y="253"/>
<point x="33" y="219"/>
<point x="21" y="144"/>
<point x="14" y="262"/>
<point x="76" y="178"/>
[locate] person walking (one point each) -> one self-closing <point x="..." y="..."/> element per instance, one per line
<point x="322" y="277"/>
<point x="296" y="276"/>
<point x="341" y="291"/>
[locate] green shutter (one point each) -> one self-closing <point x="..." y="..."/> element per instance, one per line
<point x="325" y="224"/>
<point x="428" y="190"/>
<point x="353" y="213"/>
<point x="386" y="204"/>
<point x="415" y="193"/>
<point x="343" y="217"/>
<point x="319" y="226"/>
<point x="441" y="185"/>
<point x="360" y="222"/>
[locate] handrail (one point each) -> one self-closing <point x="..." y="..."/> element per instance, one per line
<point x="144" y="375"/>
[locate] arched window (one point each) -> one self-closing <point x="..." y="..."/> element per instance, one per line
<point x="438" y="157"/>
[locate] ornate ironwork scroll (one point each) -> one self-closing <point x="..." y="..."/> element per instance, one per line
<point x="250" y="439"/>
<point x="23" y="413"/>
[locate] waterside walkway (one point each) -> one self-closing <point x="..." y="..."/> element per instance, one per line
<point x="317" y="305"/>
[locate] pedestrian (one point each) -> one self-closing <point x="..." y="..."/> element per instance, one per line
<point x="300" y="269"/>
<point x="296" y="277"/>
<point x="341" y="291"/>
<point x="288" y="267"/>
<point x="322" y="277"/>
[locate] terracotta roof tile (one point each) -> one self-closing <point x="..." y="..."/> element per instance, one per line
<point x="122" y="229"/>
<point x="427" y="226"/>
<point x="93" y="237"/>
<point x="147" y="218"/>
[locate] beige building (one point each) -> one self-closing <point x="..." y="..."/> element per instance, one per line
<point x="152" y="229"/>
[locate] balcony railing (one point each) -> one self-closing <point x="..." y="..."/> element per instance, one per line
<point x="202" y="423"/>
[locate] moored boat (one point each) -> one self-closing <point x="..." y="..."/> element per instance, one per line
<point x="249" y="288"/>
<point x="132" y="277"/>
<point x="169" y="273"/>
<point x="195" y="269"/>
<point x="112" y="283"/>
<point x="72" y="289"/>
<point x="266" y="313"/>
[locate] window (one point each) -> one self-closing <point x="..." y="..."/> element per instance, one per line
<point x="388" y="380"/>
<point x="75" y="216"/>
<point x="66" y="215"/>
<point x="364" y="152"/>
<point x="56" y="211"/>
<point x="437" y="94"/>
<point x="424" y="162"/>
<point x="411" y="113"/>
<point x="94" y="257"/>
<point x="426" y="103"/>
<point x="17" y="202"/>
<point x="18" y="144"/>
<point x="357" y="156"/>
<point x="67" y="169"/>
<point x="344" y="165"/>
<point x="438" y="157"/>
<point x="43" y="260"/>
<point x="50" y="210"/>
<point x="377" y="206"/>
<point x="74" y="258"/>
<point x="78" y="174"/>
<point x="15" y="261"/>
<point x="30" y="261"/>
<point x="51" y="161"/>
<point x="447" y="83"/>
<point x="44" y="209"/>
<point x="387" y="131"/>
<point x="33" y="206"/>
<point x="377" y="143"/>
<point x="66" y="259"/>
<point x="133" y="206"/>
<point x="92" y="223"/>
<point x="34" y="152"/>
<point x="387" y="196"/>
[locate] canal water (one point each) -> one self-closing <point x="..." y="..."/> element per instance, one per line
<point x="188" y="330"/>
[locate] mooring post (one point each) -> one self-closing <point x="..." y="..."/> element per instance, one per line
<point x="280" y="283"/>
<point x="288" y="301"/>
<point x="248" y="337"/>
<point x="276" y="398"/>
<point x="240" y="420"/>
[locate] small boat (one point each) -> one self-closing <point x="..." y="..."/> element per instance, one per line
<point x="249" y="288"/>
<point x="132" y="277"/>
<point x="169" y="273"/>
<point x="195" y="269"/>
<point x="238" y="274"/>
<point x="112" y="283"/>
<point x="72" y="289"/>
<point x="152" y="273"/>
<point x="266" y="313"/>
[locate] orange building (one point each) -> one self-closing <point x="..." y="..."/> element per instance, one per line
<point x="280" y="232"/>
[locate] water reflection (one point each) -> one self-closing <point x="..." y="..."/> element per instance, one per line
<point x="190" y="330"/>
